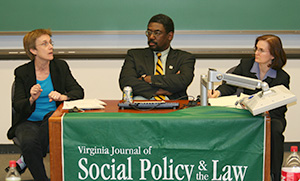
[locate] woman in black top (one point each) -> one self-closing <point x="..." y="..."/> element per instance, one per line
<point x="266" y="66"/>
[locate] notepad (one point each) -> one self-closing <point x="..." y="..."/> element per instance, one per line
<point x="84" y="104"/>
<point x="227" y="101"/>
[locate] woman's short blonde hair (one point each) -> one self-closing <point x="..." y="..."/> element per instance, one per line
<point x="30" y="38"/>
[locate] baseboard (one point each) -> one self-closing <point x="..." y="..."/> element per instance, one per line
<point x="13" y="149"/>
<point x="287" y="145"/>
<point x="9" y="149"/>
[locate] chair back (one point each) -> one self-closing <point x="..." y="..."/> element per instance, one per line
<point x="13" y="113"/>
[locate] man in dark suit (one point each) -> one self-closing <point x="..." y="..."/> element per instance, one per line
<point x="140" y="70"/>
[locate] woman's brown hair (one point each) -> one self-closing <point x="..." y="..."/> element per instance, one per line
<point x="276" y="50"/>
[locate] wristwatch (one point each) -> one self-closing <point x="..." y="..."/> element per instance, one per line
<point x="143" y="77"/>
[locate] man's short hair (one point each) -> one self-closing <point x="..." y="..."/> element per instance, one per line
<point x="165" y="20"/>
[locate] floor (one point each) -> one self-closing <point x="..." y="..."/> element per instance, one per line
<point x="26" y="176"/>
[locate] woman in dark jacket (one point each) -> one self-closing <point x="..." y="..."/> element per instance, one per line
<point x="40" y="86"/>
<point x="266" y="66"/>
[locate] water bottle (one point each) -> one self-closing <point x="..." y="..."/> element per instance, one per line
<point x="127" y="94"/>
<point x="291" y="168"/>
<point x="13" y="174"/>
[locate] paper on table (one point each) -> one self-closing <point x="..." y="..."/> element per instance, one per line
<point x="84" y="104"/>
<point x="227" y="101"/>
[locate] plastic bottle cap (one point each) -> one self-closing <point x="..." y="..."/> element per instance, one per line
<point x="12" y="163"/>
<point x="294" y="148"/>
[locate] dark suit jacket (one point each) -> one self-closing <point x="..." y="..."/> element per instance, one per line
<point x="141" y="61"/>
<point x="62" y="80"/>
<point x="282" y="78"/>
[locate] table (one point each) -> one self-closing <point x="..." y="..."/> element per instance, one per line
<point x="56" y="147"/>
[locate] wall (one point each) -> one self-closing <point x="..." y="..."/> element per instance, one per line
<point x="81" y="15"/>
<point x="100" y="77"/>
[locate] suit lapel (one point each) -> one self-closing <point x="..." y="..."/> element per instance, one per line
<point x="171" y="60"/>
<point x="55" y="76"/>
<point x="31" y="76"/>
<point x="149" y="61"/>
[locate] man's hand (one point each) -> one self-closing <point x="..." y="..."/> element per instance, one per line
<point x="146" y="78"/>
<point x="163" y="92"/>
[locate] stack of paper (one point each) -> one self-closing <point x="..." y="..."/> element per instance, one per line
<point x="84" y="104"/>
<point x="227" y="101"/>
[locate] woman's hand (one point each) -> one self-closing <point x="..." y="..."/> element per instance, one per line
<point x="213" y="94"/>
<point x="56" y="96"/>
<point x="35" y="93"/>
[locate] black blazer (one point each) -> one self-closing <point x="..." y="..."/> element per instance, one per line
<point x="282" y="78"/>
<point x="141" y="61"/>
<point x="62" y="80"/>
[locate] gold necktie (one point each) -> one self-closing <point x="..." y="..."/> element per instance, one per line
<point x="159" y="71"/>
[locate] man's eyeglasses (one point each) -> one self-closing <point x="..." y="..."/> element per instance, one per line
<point x="46" y="44"/>
<point x="155" y="33"/>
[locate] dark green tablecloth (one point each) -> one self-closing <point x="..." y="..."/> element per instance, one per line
<point x="199" y="143"/>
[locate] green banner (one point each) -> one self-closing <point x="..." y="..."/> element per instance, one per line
<point x="199" y="143"/>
